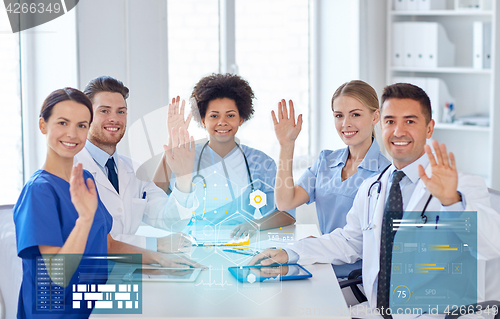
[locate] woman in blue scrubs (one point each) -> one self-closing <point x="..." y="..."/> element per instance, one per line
<point x="233" y="182"/>
<point x="59" y="213"/>
<point x="334" y="179"/>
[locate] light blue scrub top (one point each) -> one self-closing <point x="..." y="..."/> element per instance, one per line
<point x="45" y="215"/>
<point x="334" y="197"/>
<point x="262" y="169"/>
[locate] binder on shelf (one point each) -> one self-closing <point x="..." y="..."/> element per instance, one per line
<point x="424" y="44"/>
<point x="481" y="41"/>
<point x="400" y="5"/>
<point x="487" y="34"/>
<point x="477" y="45"/>
<point x="398" y="43"/>
<point x="411" y="30"/>
<point x="425" y="5"/>
<point x="437" y="91"/>
<point x="440" y="97"/>
<point x="420" y="44"/>
<point x="440" y="52"/>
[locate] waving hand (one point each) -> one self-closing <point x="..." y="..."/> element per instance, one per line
<point x="284" y="125"/>
<point x="176" y="115"/>
<point x="444" y="180"/>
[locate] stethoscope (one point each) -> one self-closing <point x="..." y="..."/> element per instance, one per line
<point x="378" y="185"/>
<point x="198" y="175"/>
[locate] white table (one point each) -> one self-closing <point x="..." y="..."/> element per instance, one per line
<point x="217" y="294"/>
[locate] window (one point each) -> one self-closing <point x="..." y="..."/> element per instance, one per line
<point x="11" y="162"/>
<point x="193" y="47"/>
<point x="276" y="64"/>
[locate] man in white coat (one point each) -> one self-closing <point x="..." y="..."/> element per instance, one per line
<point x="128" y="199"/>
<point x="428" y="179"/>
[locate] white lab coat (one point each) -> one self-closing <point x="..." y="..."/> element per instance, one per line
<point x="128" y="208"/>
<point x="348" y="244"/>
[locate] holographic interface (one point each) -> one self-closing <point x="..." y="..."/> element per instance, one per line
<point x="434" y="263"/>
<point x="70" y="283"/>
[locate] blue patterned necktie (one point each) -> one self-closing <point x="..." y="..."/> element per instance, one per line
<point x="112" y="176"/>
<point x="393" y="210"/>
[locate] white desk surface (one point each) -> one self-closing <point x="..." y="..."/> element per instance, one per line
<point x="217" y="294"/>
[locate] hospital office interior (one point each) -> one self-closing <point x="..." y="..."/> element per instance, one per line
<point x="286" y="49"/>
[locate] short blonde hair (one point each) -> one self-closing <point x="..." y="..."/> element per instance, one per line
<point x="361" y="91"/>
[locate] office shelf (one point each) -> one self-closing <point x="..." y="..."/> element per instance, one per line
<point x="451" y="13"/>
<point x="477" y="148"/>
<point x="466" y="70"/>
<point x="471" y="128"/>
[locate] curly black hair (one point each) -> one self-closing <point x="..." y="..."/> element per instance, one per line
<point x="218" y="86"/>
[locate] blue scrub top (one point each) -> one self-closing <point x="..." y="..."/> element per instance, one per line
<point x="263" y="172"/>
<point x="334" y="197"/>
<point x="45" y="215"/>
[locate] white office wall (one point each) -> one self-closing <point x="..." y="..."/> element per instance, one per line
<point x="48" y="62"/>
<point x="102" y="40"/>
<point x="11" y="163"/>
<point x="349" y="44"/>
<point x="337" y="61"/>
<point x="130" y="47"/>
<point x="372" y="46"/>
<point x="372" y="43"/>
<point x="127" y="39"/>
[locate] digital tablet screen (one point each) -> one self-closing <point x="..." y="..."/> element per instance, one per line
<point x="269" y="273"/>
<point x="163" y="274"/>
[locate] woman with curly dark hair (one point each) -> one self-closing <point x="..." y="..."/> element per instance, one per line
<point x="234" y="183"/>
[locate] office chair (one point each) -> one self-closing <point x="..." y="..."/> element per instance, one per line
<point x="355" y="279"/>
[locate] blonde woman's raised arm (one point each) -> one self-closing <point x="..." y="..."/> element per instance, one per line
<point x="288" y="195"/>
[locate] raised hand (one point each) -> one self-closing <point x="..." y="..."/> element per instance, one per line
<point x="444" y="180"/>
<point x="179" y="154"/>
<point x="176" y="115"/>
<point x="83" y="196"/>
<point x="284" y="125"/>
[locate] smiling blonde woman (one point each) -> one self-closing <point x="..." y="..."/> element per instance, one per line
<point x="333" y="180"/>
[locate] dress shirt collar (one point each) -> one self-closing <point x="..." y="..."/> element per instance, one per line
<point x="100" y="156"/>
<point x="411" y="170"/>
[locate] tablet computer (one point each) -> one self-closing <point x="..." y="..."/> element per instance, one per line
<point x="162" y="274"/>
<point x="269" y="273"/>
